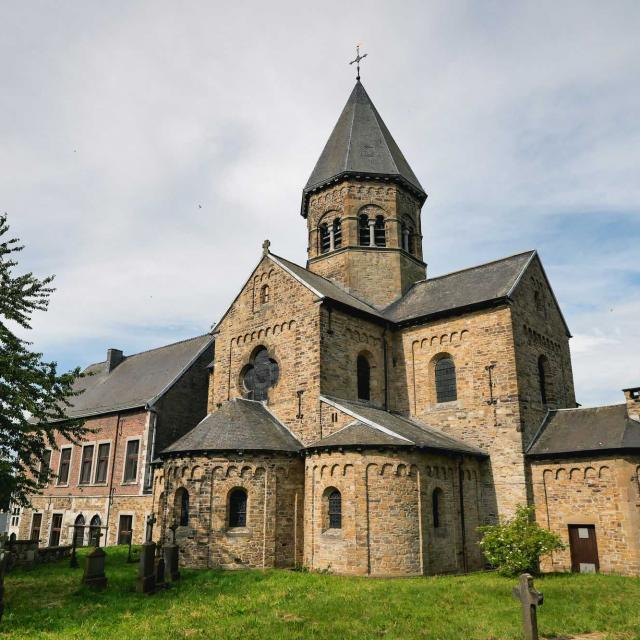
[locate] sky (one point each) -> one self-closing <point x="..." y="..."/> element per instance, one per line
<point x="148" y="148"/>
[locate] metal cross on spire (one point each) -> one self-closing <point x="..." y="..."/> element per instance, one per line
<point x="357" y="60"/>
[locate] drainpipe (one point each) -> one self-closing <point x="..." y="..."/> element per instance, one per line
<point x="386" y="368"/>
<point x="113" y="467"/>
<point x="465" y="563"/>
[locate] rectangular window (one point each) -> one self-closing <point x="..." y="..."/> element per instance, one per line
<point x="63" y="467"/>
<point x="45" y="466"/>
<point x="103" y="462"/>
<point x="125" y="529"/>
<point x="36" y="525"/>
<point x="56" y="528"/>
<point x="86" y="463"/>
<point x="131" y="461"/>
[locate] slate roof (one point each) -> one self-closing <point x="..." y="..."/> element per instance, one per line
<point x="360" y="145"/>
<point x="238" y="425"/>
<point x="138" y="380"/>
<point x="373" y="426"/>
<point x="478" y="285"/>
<point x="593" y="429"/>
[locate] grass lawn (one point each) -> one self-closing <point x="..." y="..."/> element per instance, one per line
<point x="49" y="602"/>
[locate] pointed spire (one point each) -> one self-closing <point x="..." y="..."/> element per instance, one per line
<point x="360" y="145"/>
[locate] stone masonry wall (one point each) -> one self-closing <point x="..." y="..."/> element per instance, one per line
<point x="601" y="491"/>
<point x="288" y="326"/>
<point x="474" y="341"/>
<point x="387" y="520"/>
<point x="274" y="486"/>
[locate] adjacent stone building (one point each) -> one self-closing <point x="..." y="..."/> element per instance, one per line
<point x="366" y="419"/>
<point x="137" y="405"/>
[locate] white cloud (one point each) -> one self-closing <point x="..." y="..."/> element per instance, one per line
<point x="147" y="149"/>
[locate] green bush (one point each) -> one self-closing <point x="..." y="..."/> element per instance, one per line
<point x="515" y="546"/>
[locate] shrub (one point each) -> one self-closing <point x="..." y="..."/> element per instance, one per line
<point x="515" y="546"/>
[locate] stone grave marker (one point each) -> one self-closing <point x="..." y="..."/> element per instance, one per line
<point x="530" y="600"/>
<point x="3" y="562"/>
<point x="171" y="555"/>
<point x="146" y="568"/>
<point x="94" y="575"/>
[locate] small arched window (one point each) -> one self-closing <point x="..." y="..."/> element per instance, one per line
<point x="94" y="530"/>
<point x="436" y="508"/>
<point x="364" y="378"/>
<point x="445" y="373"/>
<point x="543" y="379"/>
<point x="182" y="507"/>
<point x="325" y="238"/>
<point x="335" y="509"/>
<point x="337" y="233"/>
<point x="379" y="233"/>
<point x="264" y="294"/>
<point x="238" y="508"/>
<point x="364" y="235"/>
<point x="408" y="236"/>
<point x="78" y="531"/>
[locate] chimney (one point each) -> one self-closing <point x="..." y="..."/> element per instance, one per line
<point x="114" y="358"/>
<point x="632" y="396"/>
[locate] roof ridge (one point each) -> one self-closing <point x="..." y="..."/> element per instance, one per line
<point x="166" y="346"/>
<point x="477" y="266"/>
<point x="599" y="406"/>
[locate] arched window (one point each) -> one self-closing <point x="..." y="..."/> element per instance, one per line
<point x="408" y="236"/>
<point x="325" y="238"/>
<point x="94" y="530"/>
<point x="543" y="379"/>
<point x="238" y="508"/>
<point x="264" y="294"/>
<point x="379" y="233"/>
<point x="364" y="378"/>
<point x="78" y="531"/>
<point x="364" y="235"/>
<point x="335" y="509"/>
<point x="337" y="233"/>
<point x="260" y="375"/>
<point x="436" y="508"/>
<point x="181" y="506"/>
<point x="445" y="371"/>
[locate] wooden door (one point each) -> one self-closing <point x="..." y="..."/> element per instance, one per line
<point x="584" y="548"/>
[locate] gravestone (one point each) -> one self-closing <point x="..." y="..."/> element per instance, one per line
<point x="161" y="583"/>
<point x="172" y="556"/>
<point x="531" y="600"/>
<point x="73" y="562"/>
<point x="146" y="568"/>
<point x="94" y="575"/>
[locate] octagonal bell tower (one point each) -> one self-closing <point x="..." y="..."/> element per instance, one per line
<point x="362" y="204"/>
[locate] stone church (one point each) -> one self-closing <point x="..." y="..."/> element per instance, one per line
<point x="364" y="418"/>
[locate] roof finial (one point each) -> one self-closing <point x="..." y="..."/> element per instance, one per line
<point x="357" y="60"/>
<point x="265" y="247"/>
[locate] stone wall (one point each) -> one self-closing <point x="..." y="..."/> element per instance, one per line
<point x="601" y="491"/>
<point x="288" y="327"/>
<point x="474" y="341"/>
<point x="273" y="533"/>
<point x="387" y="517"/>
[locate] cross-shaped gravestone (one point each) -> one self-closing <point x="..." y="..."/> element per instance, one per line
<point x="98" y="534"/>
<point x="530" y="599"/>
<point x="173" y="528"/>
<point x="151" y="520"/>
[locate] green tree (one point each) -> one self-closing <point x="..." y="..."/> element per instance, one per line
<point x="33" y="396"/>
<point x="516" y="545"/>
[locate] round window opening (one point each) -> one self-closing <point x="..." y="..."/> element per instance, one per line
<point x="260" y="375"/>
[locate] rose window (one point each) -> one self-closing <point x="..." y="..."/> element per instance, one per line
<point x="260" y="375"/>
